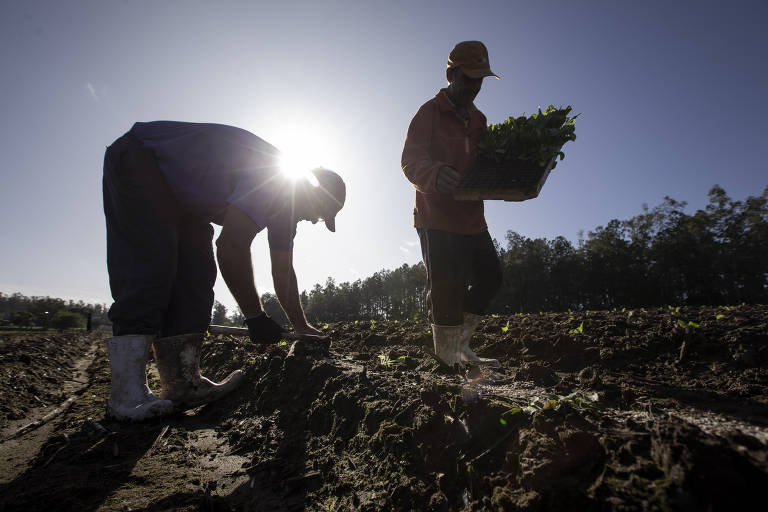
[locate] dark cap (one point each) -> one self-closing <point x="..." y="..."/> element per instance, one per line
<point x="472" y="58"/>
<point x="333" y="192"/>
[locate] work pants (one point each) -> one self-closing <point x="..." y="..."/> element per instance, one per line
<point x="160" y="259"/>
<point x="463" y="274"/>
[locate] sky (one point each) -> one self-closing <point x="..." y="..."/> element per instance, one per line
<point x="671" y="97"/>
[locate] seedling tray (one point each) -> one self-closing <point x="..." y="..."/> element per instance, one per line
<point x="511" y="180"/>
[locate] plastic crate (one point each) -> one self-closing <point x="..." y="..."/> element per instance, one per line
<point x="511" y="180"/>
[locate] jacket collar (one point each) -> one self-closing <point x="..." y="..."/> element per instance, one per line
<point x="445" y="103"/>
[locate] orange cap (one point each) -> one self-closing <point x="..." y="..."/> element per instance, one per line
<point x="472" y="58"/>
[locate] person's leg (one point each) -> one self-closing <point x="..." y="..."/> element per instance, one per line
<point x="140" y="259"/>
<point x="189" y="310"/>
<point x="142" y="235"/>
<point x="177" y="352"/>
<point x="443" y="253"/>
<point x="485" y="278"/>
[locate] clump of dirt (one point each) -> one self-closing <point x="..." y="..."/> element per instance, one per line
<point x="608" y="410"/>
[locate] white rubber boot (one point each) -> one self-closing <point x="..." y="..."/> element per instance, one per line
<point x="447" y="340"/>
<point x="130" y="398"/>
<point x="471" y="321"/>
<point x="178" y="361"/>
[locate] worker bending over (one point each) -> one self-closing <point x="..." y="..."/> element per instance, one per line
<point x="165" y="182"/>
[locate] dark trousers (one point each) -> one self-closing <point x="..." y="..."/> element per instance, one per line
<point x="463" y="274"/>
<point x="160" y="259"/>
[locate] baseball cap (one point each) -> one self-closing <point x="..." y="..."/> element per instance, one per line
<point x="472" y="58"/>
<point x="333" y="192"/>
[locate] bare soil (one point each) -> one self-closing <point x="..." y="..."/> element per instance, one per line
<point x="659" y="409"/>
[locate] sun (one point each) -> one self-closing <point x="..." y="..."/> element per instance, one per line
<point x="294" y="164"/>
<point x="302" y="151"/>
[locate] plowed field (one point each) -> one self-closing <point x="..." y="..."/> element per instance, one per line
<point x="658" y="409"/>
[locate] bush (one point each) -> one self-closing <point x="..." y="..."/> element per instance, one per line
<point x="66" y="320"/>
<point x="22" y="318"/>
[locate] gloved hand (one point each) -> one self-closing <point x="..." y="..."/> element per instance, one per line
<point x="262" y="329"/>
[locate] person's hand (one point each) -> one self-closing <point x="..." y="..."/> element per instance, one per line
<point x="262" y="329"/>
<point x="447" y="179"/>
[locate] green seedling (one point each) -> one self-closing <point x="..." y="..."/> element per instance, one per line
<point x="510" y="412"/>
<point x="550" y="404"/>
<point x="506" y="327"/>
<point x="494" y="315"/>
<point x="385" y="360"/>
<point x="684" y="325"/>
<point x="718" y="317"/>
<point x="578" y="330"/>
<point x="325" y="327"/>
<point x="538" y="137"/>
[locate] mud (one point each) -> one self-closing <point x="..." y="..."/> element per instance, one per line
<point x="664" y="409"/>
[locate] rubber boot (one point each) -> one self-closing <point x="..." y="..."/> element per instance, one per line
<point x="447" y="340"/>
<point x="178" y="361"/>
<point x="471" y="321"/>
<point x="130" y="398"/>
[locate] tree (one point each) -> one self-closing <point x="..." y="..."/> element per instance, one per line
<point x="44" y="309"/>
<point x="22" y="318"/>
<point x="236" y="318"/>
<point x="219" y="316"/>
<point x="63" y="320"/>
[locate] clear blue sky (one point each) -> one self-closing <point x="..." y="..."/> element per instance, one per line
<point x="671" y="95"/>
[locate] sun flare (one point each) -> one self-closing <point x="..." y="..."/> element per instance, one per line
<point x="295" y="165"/>
<point x="303" y="152"/>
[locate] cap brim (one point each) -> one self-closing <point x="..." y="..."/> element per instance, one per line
<point x="479" y="73"/>
<point x="331" y="224"/>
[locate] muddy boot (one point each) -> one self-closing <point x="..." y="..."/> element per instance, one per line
<point x="178" y="361"/>
<point x="447" y="339"/>
<point x="131" y="399"/>
<point x="471" y="322"/>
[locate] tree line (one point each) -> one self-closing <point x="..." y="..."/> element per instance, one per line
<point x="717" y="255"/>
<point x="50" y="312"/>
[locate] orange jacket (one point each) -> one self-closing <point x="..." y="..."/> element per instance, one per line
<point x="438" y="136"/>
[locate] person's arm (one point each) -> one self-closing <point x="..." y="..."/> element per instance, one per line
<point x="427" y="175"/>
<point x="233" y="251"/>
<point x="287" y="291"/>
